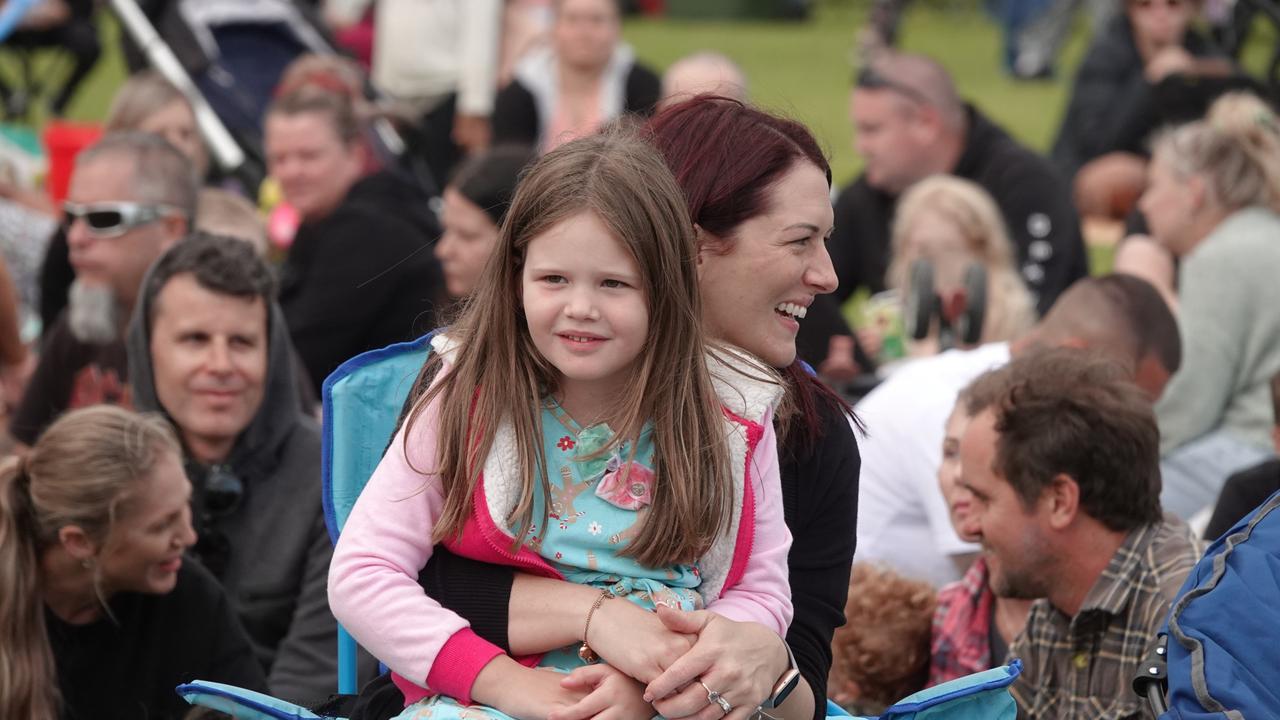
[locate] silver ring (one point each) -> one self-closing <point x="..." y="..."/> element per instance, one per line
<point x="717" y="698"/>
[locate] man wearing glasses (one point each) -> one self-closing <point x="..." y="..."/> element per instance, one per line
<point x="132" y="195"/>
<point x="910" y="123"/>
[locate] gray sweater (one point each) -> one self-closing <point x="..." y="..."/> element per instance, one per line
<point x="1229" y="290"/>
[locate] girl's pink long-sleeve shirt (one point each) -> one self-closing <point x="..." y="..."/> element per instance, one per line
<point x="373" y="588"/>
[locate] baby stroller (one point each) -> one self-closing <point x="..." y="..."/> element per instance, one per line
<point x="227" y="56"/>
<point x="67" y="28"/>
<point x="363" y="402"/>
<point x="1218" y="654"/>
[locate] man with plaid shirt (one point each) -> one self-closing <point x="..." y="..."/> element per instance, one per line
<point x="1063" y="465"/>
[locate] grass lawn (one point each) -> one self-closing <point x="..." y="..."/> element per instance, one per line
<point x="800" y="69"/>
<point x="804" y="69"/>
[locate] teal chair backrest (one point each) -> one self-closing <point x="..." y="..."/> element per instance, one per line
<point x="361" y="402"/>
<point x="980" y="696"/>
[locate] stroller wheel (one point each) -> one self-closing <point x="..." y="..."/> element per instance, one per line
<point x="921" y="301"/>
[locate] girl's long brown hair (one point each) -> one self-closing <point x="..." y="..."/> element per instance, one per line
<point x="79" y="473"/>
<point x="498" y="374"/>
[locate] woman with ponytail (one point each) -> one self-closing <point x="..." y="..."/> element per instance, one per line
<point x="1213" y="199"/>
<point x="101" y="616"/>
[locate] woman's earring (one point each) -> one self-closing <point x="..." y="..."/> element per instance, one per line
<point x="86" y="563"/>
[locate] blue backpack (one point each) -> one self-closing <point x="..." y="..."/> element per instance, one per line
<point x="1224" y="627"/>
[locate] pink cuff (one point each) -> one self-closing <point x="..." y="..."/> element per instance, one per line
<point x="454" y="671"/>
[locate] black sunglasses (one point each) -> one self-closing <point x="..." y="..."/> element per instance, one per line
<point x="872" y="79"/>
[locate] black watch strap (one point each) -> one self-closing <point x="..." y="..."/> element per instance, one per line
<point x="786" y="683"/>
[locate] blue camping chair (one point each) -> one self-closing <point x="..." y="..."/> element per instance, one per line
<point x="981" y="696"/>
<point x="362" y="402"/>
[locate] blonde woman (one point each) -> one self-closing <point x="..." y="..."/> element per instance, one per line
<point x="1212" y="199"/>
<point x="149" y="103"/>
<point x="101" y="614"/>
<point x="954" y="223"/>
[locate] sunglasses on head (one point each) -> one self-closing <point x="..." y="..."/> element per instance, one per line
<point x="112" y="219"/>
<point x="1148" y="4"/>
<point x="870" y="78"/>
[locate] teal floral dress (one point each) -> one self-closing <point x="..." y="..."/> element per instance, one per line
<point x="595" y="509"/>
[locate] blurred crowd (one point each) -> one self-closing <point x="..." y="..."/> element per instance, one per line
<point x="1045" y="446"/>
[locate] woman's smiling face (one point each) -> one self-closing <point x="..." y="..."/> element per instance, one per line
<point x="143" y="551"/>
<point x="757" y="287"/>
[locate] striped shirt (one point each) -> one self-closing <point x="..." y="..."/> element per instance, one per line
<point x="1082" y="667"/>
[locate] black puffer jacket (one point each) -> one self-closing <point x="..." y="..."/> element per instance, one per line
<point x="364" y="276"/>
<point x="1112" y="106"/>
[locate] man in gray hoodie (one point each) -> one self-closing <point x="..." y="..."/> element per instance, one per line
<point x="208" y="347"/>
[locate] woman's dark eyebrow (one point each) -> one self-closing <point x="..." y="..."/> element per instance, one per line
<point x="802" y="226"/>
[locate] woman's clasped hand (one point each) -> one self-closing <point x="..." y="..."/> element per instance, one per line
<point x="670" y="661"/>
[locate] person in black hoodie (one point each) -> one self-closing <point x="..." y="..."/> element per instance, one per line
<point x="910" y="124"/>
<point x="360" y="273"/>
<point x="1147" y="68"/>
<point x="1111" y="103"/>
<point x="209" y="350"/>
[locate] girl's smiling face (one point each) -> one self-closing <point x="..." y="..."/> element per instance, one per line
<point x="584" y="305"/>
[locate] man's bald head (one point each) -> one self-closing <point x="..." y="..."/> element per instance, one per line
<point x="908" y="120"/>
<point x="1121" y="316"/>
<point x="704" y="72"/>
<point x="918" y="79"/>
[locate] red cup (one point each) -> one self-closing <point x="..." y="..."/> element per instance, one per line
<point x="62" y="142"/>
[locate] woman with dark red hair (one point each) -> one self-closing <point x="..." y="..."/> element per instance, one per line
<point x="762" y="217"/>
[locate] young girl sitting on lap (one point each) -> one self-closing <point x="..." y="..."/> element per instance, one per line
<point x="579" y="427"/>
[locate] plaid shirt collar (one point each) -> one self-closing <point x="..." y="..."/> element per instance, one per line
<point x="1114" y="589"/>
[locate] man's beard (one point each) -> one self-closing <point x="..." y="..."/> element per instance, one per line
<point x="93" y="314"/>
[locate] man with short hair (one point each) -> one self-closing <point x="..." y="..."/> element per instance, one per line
<point x="1062" y="460"/>
<point x="132" y="195"/>
<point x="903" y="519"/>
<point x="911" y="123"/>
<point x="208" y="347"/>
